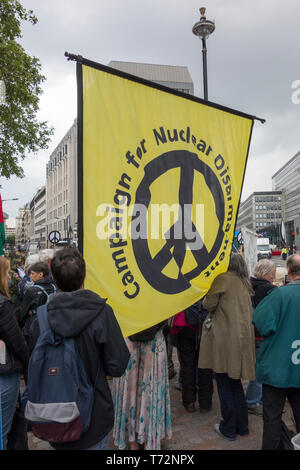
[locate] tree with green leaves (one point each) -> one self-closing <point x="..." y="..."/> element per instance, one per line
<point x="20" y="130"/>
<point x="10" y="240"/>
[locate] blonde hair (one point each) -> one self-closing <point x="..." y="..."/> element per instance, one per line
<point x="4" y="267"/>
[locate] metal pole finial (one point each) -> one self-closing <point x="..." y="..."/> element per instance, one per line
<point x="202" y="11"/>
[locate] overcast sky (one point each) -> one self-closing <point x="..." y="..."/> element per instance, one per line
<point x="253" y="60"/>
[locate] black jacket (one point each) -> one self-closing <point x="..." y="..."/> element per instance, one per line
<point x="11" y="334"/>
<point x="261" y="288"/>
<point x="34" y="296"/>
<point x="85" y="316"/>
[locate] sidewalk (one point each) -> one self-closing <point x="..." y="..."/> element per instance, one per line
<point x="195" y="431"/>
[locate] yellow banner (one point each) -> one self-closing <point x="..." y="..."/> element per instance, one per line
<point x="162" y="178"/>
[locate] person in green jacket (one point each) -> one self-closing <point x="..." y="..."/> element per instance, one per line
<point x="277" y="318"/>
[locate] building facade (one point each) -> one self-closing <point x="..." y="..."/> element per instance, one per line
<point x="287" y="180"/>
<point x="23" y="227"/>
<point x="10" y="231"/>
<point x="61" y="186"/>
<point x="262" y="212"/>
<point x="172" y="76"/>
<point x="38" y="219"/>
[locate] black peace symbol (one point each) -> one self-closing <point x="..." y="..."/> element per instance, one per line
<point x="54" y="237"/>
<point x="152" y="267"/>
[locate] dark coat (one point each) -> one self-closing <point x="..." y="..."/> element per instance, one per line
<point x="85" y="316"/>
<point x="261" y="288"/>
<point x="11" y="334"/>
<point x="25" y="283"/>
<point x="34" y="297"/>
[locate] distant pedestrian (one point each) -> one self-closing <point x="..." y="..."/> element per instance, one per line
<point x="278" y="365"/>
<point x="284" y="253"/>
<point x="26" y="282"/>
<point x="35" y="296"/>
<point x="13" y="354"/>
<point x="262" y="283"/>
<point x="227" y="344"/>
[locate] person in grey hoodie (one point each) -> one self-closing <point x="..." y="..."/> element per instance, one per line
<point x="75" y="312"/>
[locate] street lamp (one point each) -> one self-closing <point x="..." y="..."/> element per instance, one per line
<point x="14" y="199"/>
<point x="203" y="29"/>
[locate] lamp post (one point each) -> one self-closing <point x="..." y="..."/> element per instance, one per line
<point x="203" y="29"/>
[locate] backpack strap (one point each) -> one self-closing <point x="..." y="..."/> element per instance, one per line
<point x="42" y="318"/>
<point x="42" y="289"/>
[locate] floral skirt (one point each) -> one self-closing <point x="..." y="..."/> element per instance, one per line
<point x="141" y="396"/>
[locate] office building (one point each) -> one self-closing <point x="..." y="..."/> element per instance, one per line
<point x="262" y="212"/>
<point x="287" y="180"/>
<point x="61" y="185"/>
<point x="38" y="219"/>
<point x="23" y="226"/>
<point x="172" y="76"/>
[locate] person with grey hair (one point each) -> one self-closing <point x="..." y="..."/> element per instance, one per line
<point x="278" y="364"/>
<point x="264" y="274"/>
<point x="26" y="282"/>
<point x="227" y="344"/>
<point x="46" y="256"/>
<point x="30" y="260"/>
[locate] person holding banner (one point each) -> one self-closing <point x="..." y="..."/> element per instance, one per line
<point x="13" y="354"/>
<point x="227" y="344"/>
<point x="141" y="396"/>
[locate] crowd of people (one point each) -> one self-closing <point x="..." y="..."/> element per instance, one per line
<point x="243" y="338"/>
